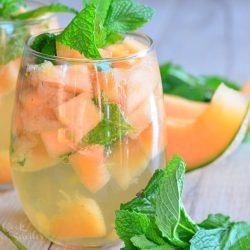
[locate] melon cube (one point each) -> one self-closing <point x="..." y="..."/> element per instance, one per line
<point x="89" y="166"/>
<point x="127" y="162"/>
<point x="5" y="168"/>
<point x="78" y="218"/>
<point x="79" y="114"/>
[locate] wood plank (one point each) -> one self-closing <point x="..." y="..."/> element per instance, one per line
<point x="14" y="220"/>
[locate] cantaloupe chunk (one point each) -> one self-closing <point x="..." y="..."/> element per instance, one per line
<point x="89" y="166"/>
<point x="207" y="137"/>
<point x="5" y="169"/>
<point x="72" y="78"/>
<point x="57" y="142"/>
<point x="78" y="218"/>
<point x="34" y="159"/>
<point x="127" y="162"/>
<point x="178" y="107"/>
<point x="79" y="114"/>
<point x="8" y="76"/>
<point x="37" y="112"/>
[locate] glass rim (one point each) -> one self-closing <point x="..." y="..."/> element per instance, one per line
<point x="141" y="53"/>
<point x="29" y="21"/>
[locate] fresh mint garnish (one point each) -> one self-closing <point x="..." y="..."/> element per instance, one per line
<point x="100" y="24"/>
<point x="176" y="81"/>
<point x="52" y="8"/>
<point x="157" y="219"/>
<point x="112" y="127"/>
<point x="16" y="242"/>
<point x="8" y="7"/>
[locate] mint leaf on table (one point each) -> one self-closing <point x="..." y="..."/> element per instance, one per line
<point x="52" y="8"/>
<point x="112" y="127"/>
<point x="214" y="221"/>
<point x="176" y="81"/>
<point x="16" y="242"/>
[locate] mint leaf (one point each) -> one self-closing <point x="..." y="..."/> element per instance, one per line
<point x="45" y="43"/>
<point x="16" y="242"/>
<point x="112" y="127"/>
<point x="8" y="7"/>
<point x="142" y="242"/>
<point x="176" y="81"/>
<point x="126" y="16"/>
<point x="208" y="239"/>
<point x="128" y="224"/>
<point x="52" y="8"/>
<point x="168" y="201"/>
<point x="215" y="220"/>
<point x="80" y="33"/>
<point x="12" y="47"/>
<point x="238" y="238"/>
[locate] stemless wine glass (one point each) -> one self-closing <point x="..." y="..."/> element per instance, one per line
<point x="12" y="39"/>
<point x="87" y="135"/>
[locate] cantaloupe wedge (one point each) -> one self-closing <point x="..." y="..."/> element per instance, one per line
<point x="5" y="169"/>
<point x="89" y="166"/>
<point x="178" y="107"/>
<point x="220" y="128"/>
<point x="79" y="114"/>
<point x="72" y="78"/>
<point x="78" y="218"/>
<point x="127" y="162"/>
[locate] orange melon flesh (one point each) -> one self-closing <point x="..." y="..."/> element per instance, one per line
<point x="80" y="115"/>
<point x="207" y="137"/>
<point x="89" y="166"/>
<point x="246" y="90"/>
<point x="56" y="142"/>
<point x="72" y="78"/>
<point x="127" y="162"/>
<point x="8" y="76"/>
<point x="35" y="160"/>
<point x="5" y="169"/>
<point x="78" y="218"/>
<point x="178" y="107"/>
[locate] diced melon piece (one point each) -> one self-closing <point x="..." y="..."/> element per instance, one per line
<point x="8" y="76"/>
<point x="57" y="142"/>
<point x="127" y="162"/>
<point x="142" y="116"/>
<point x="80" y="115"/>
<point x="138" y="83"/>
<point x="78" y="218"/>
<point x="72" y="78"/>
<point x="34" y="159"/>
<point x="219" y="129"/>
<point x="67" y="52"/>
<point x="133" y="45"/>
<point x="89" y="166"/>
<point x="178" y="107"/>
<point x="5" y="169"/>
<point x="37" y="112"/>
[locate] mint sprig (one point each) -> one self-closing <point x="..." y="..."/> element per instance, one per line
<point x="16" y="242"/>
<point x="101" y="22"/>
<point x="8" y="7"/>
<point x="52" y="8"/>
<point x="158" y="220"/>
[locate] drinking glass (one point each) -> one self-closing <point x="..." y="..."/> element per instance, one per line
<point x="87" y="135"/>
<point x="12" y="39"/>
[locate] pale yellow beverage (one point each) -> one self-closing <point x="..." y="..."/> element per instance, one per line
<point x="87" y="136"/>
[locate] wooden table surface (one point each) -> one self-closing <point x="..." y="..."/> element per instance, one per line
<point x="206" y="37"/>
